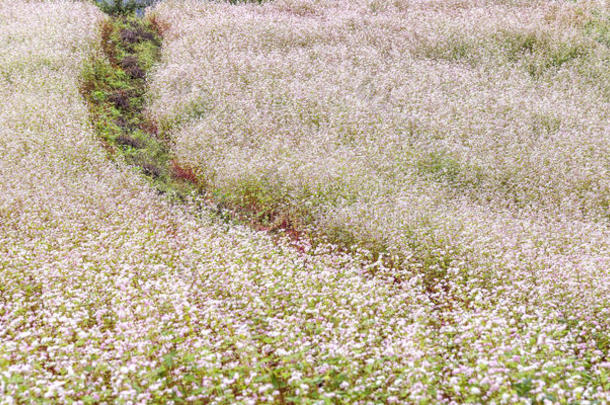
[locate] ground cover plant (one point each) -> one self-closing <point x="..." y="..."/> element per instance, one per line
<point x="465" y="144"/>
<point x="497" y="285"/>
<point x="111" y="294"/>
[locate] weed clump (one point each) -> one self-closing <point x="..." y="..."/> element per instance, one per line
<point x="120" y="99"/>
<point x="132" y="67"/>
<point x="150" y="169"/>
<point x="123" y="124"/>
<point x="128" y="36"/>
<point x="137" y="35"/>
<point x="127" y="140"/>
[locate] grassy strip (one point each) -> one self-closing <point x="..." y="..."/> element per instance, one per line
<point x="114" y="86"/>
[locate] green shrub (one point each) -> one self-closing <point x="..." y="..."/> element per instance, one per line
<point x="122" y="7"/>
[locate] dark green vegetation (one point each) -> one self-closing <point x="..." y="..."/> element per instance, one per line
<point x="114" y="85"/>
<point x="123" y="7"/>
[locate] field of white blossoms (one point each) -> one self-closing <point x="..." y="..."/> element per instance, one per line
<point x="467" y="141"/>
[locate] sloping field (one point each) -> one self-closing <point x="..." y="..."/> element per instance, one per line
<point x="110" y="295"/>
<point x="468" y="142"/>
<point x="482" y="169"/>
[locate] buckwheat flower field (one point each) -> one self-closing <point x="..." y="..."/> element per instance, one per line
<point x="445" y="165"/>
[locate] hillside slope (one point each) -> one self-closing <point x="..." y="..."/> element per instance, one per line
<point x="108" y="294"/>
<point x="467" y="142"/>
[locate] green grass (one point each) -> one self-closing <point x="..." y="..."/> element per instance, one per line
<point x="114" y="85"/>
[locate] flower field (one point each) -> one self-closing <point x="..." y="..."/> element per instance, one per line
<point x="445" y="162"/>
<point x="466" y="142"/>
